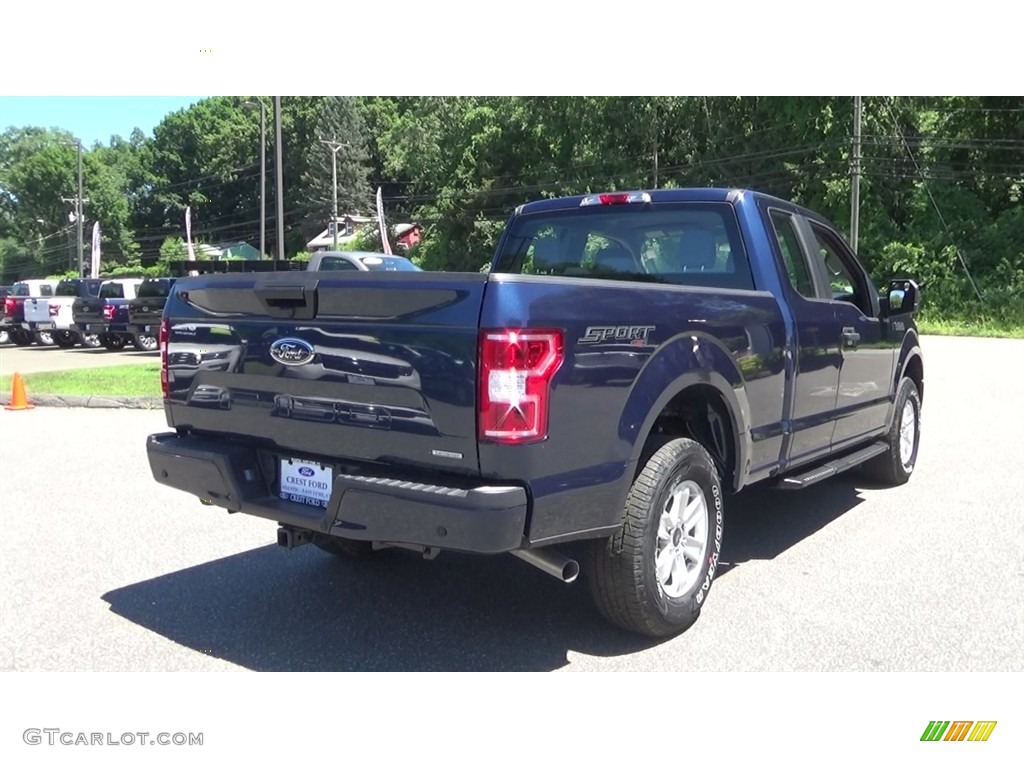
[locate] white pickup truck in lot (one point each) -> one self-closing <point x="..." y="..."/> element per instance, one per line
<point x="24" y="294"/>
<point x="53" y="314"/>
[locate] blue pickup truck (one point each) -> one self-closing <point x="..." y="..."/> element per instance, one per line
<point x="630" y="361"/>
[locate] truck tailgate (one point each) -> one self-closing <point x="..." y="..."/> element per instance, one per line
<point x="359" y="365"/>
<point x="37" y="310"/>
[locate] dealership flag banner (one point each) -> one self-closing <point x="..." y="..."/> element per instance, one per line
<point x="380" y="217"/>
<point x="95" y="271"/>
<point x="188" y="232"/>
<point x="188" y="237"/>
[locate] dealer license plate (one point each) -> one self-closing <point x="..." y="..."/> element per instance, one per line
<point x="306" y="482"/>
<point x="44" y="326"/>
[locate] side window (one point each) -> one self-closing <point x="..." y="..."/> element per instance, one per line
<point x="842" y="283"/>
<point x="792" y="254"/>
<point x="46" y="290"/>
<point x="337" y="265"/>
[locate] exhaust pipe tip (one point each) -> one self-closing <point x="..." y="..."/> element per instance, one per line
<point x="563" y="568"/>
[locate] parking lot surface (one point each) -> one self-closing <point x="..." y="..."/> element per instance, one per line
<point x="104" y="569"/>
<point x="35" y="359"/>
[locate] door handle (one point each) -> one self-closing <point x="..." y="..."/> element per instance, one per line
<point x="850" y="337"/>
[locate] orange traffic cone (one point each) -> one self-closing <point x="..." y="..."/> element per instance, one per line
<point x="19" y="402"/>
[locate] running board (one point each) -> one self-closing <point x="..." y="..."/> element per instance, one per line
<point x="832" y="468"/>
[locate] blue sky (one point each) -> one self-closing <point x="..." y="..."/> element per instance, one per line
<point x="91" y="118"/>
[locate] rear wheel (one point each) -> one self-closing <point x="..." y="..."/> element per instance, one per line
<point x="22" y="338"/>
<point x="5" y="337"/>
<point x="91" y="340"/>
<point x="144" y="343"/>
<point x="64" y="339"/>
<point x="44" y="338"/>
<point x="653" y="576"/>
<point x="113" y="343"/>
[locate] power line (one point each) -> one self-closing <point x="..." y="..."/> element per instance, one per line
<point x="931" y="197"/>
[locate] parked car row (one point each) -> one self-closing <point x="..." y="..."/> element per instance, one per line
<point x="113" y="313"/>
<point x="88" y="312"/>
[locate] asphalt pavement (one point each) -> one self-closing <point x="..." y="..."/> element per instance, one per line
<point x="101" y="568"/>
<point x="35" y="359"/>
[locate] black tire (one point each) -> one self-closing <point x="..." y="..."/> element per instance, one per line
<point x="621" y="570"/>
<point x="22" y="338"/>
<point x="113" y="343"/>
<point x="347" y="548"/>
<point x="144" y="343"/>
<point x="889" y="468"/>
<point x="64" y="339"/>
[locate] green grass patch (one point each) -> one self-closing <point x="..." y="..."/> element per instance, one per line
<point x="960" y="327"/>
<point x="120" y="381"/>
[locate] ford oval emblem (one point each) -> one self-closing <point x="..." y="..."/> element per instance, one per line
<point x="306" y="471"/>
<point x="291" y="351"/>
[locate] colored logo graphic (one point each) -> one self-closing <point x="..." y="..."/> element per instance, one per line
<point x="958" y="730"/>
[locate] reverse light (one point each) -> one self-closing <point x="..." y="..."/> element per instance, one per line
<point x="108" y="311"/>
<point x="516" y="368"/>
<point x="616" y="198"/>
<point x="165" y="335"/>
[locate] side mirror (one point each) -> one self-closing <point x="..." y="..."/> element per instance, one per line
<point x="904" y="297"/>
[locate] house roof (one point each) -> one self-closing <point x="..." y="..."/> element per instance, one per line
<point x="325" y="239"/>
<point x="401" y="229"/>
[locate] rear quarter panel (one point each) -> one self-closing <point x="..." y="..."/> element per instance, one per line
<point x="601" y="410"/>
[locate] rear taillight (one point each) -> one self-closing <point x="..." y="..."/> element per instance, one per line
<point x="516" y="368"/>
<point x="165" y="334"/>
<point x="8" y="306"/>
<point x="108" y="311"/>
<point x="54" y="310"/>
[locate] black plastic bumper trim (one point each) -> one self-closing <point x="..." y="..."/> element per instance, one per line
<point x="484" y="519"/>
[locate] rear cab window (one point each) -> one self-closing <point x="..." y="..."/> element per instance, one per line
<point x="78" y="288"/>
<point x="388" y="264"/>
<point x="112" y="291"/>
<point x="336" y="263"/>
<point x="154" y="289"/>
<point x="690" y="244"/>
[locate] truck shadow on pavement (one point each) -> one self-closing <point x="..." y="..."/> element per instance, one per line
<point x="272" y="610"/>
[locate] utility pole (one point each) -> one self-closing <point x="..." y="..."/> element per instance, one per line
<point x="334" y="146"/>
<point x="855" y="175"/>
<point x="280" y="180"/>
<point x="655" y="162"/>
<point x="263" y="172"/>
<point x="79" y="200"/>
<point x="81" y="257"/>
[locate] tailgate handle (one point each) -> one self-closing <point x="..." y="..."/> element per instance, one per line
<point x="288" y="301"/>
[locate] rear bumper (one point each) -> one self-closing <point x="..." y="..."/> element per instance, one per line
<point x="481" y="519"/>
<point x="40" y="325"/>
